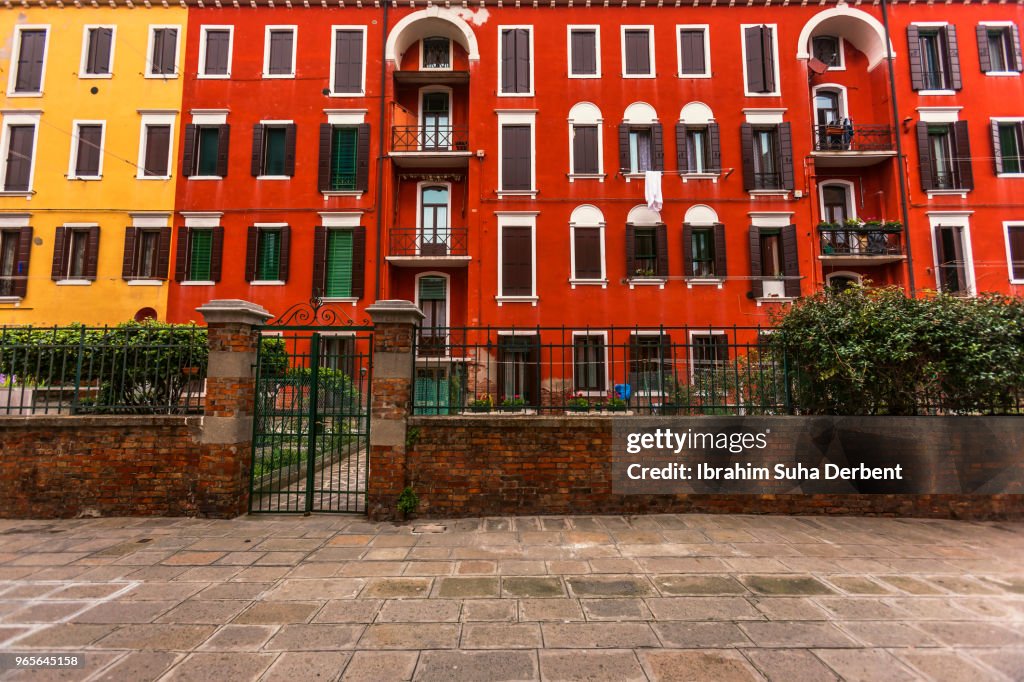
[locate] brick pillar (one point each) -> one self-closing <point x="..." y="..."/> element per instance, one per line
<point x="394" y="323"/>
<point x="226" y="440"/>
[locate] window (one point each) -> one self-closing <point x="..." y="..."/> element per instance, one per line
<point x="584" y="147"/>
<point x="339" y="254"/>
<point x="432" y="295"/>
<point x="18" y="156"/>
<point x="588" y="256"/>
<point x="1008" y="141"/>
<point x="519" y="368"/>
<point x="650" y="363"/>
<point x="215" y="49"/>
<point x="516" y="59"/>
<point x="516" y="158"/>
<point x="206" y="151"/>
<point x="347" y="61"/>
<point x="516" y="256"/>
<point x="835" y="202"/>
<point x="343" y="157"/>
<point x="163" y="52"/>
<point x="709" y="350"/>
<point x="273" y="150"/>
<point x="436" y="53"/>
<point x="641" y="147"/>
<point x="1015" y="251"/>
<point x="146" y="252"/>
<point x="767" y="157"/>
<point x="28" y="61"/>
<point x="646" y="251"/>
<point x="951" y="273"/>
<point x="698" y="142"/>
<point x="279" y="52"/>
<point x="934" y="57"/>
<point x="694" y="52"/>
<point x="759" y="60"/>
<point x="434" y="223"/>
<point x="589" y="367"/>
<point x="338" y="352"/>
<point x="87" y="151"/>
<point x="944" y="156"/>
<point x="15" y="249"/>
<point x="698" y="150"/>
<point x="999" y="49"/>
<point x="338" y="283"/>
<point x="97" y="52"/>
<point x="267" y="253"/>
<point x="640" y="151"/>
<point x="75" y="250"/>
<point x="584" y="52"/>
<point x="827" y="50"/>
<point x="706" y="256"/>
<point x="773" y="255"/>
<point x="766" y="152"/>
<point x="155" y="151"/>
<point x="199" y="250"/>
<point x="637" y="52"/>
<point x="200" y="255"/>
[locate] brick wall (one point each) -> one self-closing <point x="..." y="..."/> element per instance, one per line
<point x="484" y="465"/>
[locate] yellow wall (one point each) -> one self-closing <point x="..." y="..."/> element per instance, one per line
<point x="111" y="201"/>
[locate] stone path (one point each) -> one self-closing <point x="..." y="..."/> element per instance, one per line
<point x="666" y="597"/>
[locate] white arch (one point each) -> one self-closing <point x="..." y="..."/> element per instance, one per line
<point x="857" y="26"/>
<point x="851" y="200"/>
<point x="844" y="104"/>
<point x="640" y="113"/>
<point x="433" y="21"/>
<point x="584" y="112"/>
<point x="696" y="113"/>
<point x="586" y="215"/>
<point x="856" y="276"/>
<point x="641" y="215"/>
<point x="699" y="214"/>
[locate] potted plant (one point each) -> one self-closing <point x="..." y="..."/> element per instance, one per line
<point x="577" y="402"/>
<point x="615" y="403"/>
<point x="485" y="404"/>
<point x="514" y="404"/>
<point x="872" y="224"/>
<point x="852" y="224"/>
<point x="825" y="225"/>
<point x="893" y="225"/>
<point x="644" y="272"/>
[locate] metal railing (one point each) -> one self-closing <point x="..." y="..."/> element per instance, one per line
<point x="129" y="369"/>
<point x="412" y="241"/>
<point x="853" y="138"/>
<point x="341" y="182"/>
<point x="767" y="180"/>
<point x="418" y="138"/>
<point x="860" y="241"/>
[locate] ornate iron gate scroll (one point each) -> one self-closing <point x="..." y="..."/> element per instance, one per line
<point x="311" y="418"/>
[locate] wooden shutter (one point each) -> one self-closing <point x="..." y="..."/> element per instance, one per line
<point x="584" y="150"/>
<point x="786" y="156"/>
<point x="98" y="59"/>
<point x="638" y="52"/>
<point x="163" y="252"/>
<point x="256" y="164"/>
<point x="285" y="253"/>
<point x="251" y="245"/>
<point x="624" y="148"/>
<point x="682" y="159"/>
<point x="953" y="52"/>
<point x="30" y="61"/>
<point x="87" y="158"/>
<point x="747" y="150"/>
<point x="756" y="285"/>
<point x="657" y="148"/>
<point x="584" y="53"/>
<point x="517" y="260"/>
<point x="983" y="55"/>
<point x="522" y="37"/>
<point x="914" y="57"/>
<point x="687" y="249"/>
<point x="756" y="81"/>
<point x="188" y="160"/>
<point x="181" y="255"/>
<point x="168" y="51"/>
<point x="19" y="158"/>
<point x="92" y="253"/>
<point x="216" y="58"/>
<point x="289" y="149"/>
<point x="924" y="157"/>
<point x="324" y="169"/>
<point x="59" y="246"/>
<point x="281" y="44"/>
<point x="128" y="261"/>
<point x="661" y="249"/>
<point x="587" y="252"/>
<point x="217" y="254"/>
<point x="348" y="61"/>
<point x="223" y="139"/>
<point x="22" y="258"/>
<point x="997" y="148"/>
<point x="516" y="162"/>
<point x="962" y="146"/>
<point x="158" y="143"/>
<point x="790" y="260"/>
<point x="715" y="148"/>
<point x="1016" y="237"/>
<point x="363" y="157"/>
<point x="319" y="260"/>
<point x="630" y="249"/>
<point x="721" y="267"/>
<point x="508" y="60"/>
<point x="1018" y="62"/>
<point x="691" y="51"/>
<point x="358" y="262"/>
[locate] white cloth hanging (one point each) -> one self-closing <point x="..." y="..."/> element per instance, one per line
<point x="652" y="190"/>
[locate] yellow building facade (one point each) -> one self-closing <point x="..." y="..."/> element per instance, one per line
<point x="88" y="140"/>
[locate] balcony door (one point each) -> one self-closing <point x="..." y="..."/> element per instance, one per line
<point x="436" y="115"/>
<point x="828" y="115"/>
<point x="434" y="225"/>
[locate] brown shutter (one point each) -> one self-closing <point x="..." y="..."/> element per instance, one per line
<point x="955" y="81"/>
<point x="217" y="254"/>
<point x="169" y="49"/>
<point x="588" y="252"/>
<point x="21" y="261"/>
<point x="687" y="250"/>
<point x="92" y="254"/>
<point x="319" y="260"/>
<point x="158" y="142"/>
<point x="584" y="53"/>
<point x="963" y="155"/>
<point x="181" y="255"/>
<point x="289" y="149"/>
<point x="223" y="138"/>
<point x="251" y="244"/>
<point x="630" y="249"/>
<point x="163" y="252"/>
<point x="657" y="147"/>
<point x="87" y="161"/>
<point x="661" y="249"/>
<point x="791" y="261"/>
<point x="682" y="159"/>
<point x="914" y="57"/>
<point x="983" y="56"/>
<point x="516" y="162"/>
<point x="348" y="61"/>
<point x="1018" y="62"/>
<point x="324" y="169"/>
<point x="517" y="260"/>
<point x="188" y="160"/>
<point x="30" y="61"/>
<point x="756" y="285"/>
<point x="584" y="149"/>
<point x="638" y="52"/>
<point x="715" y="147"/>
<point x="216" y="61"/>
<point x="363" y="157"/>
<point x="768" y="57"/>
<point x="721" y="267"/>
<point x="286" y="253"/>
<point x="522" y="60"/>
<point x="747" y="150"/>
<point x="359" y="262"/>
<point x="665" y="343"/>
<point x="997" y="148"/>
<point x="1016" y="236"/>
<point x="281" y="52"/>
<point x="924" y="157"/>
<point x="59" y="245"/>
<point x="508" y="60"/>
<point x="624" y="148"/>
<point x="786" y="156"/>
<point x="691" y="51"/>
<point x="256" y="164"/>
<point x="128" y="262"/>
<point x="98" y="59"/>
<point x="755" y="59"/>
<point x="19" y="158"/>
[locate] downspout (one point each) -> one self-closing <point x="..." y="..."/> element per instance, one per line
<point x="380" y="153"/>
<point x="899" y="150"/>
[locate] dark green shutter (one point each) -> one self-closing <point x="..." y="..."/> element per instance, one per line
<point x="338" y="275"/>
<point x="432" y="288"/>
<point x="200" y="257"/>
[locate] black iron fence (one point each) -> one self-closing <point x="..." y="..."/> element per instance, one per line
<point x="413" y="241"/>
<point x="838" y="240"/>
<point x="853" y="138"/>
<point x="430" y="138"/>
<point x="147" y="368"/>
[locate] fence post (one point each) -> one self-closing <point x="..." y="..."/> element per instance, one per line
<point x="394" y="323"/>
<point x="226" y="439"/>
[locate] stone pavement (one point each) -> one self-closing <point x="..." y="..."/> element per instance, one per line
<point x="661" y="597"/>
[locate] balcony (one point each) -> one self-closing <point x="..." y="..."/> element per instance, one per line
<point x="865" y="245"/>
<point x="411" y="247"/>
<point x="418" y="146"/>
<point x="839" y="146"/>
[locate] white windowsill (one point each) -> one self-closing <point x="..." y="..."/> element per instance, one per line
<point x="704" y="281"/>
<point x="784" y="193"/>
<point x="212" y="77"/>
<point x="161" y="76"/>
<point x="340" y="299"/>
<point x="266" y="283"/>
<point x="639" y="75"/>
<point x="205" y="177"/>
<point x="774" y="299"/>
<point x="24" y="94"/>
<point x="693" y="75"/>
<point x="278" y="76"/>
<point x="152" y="177"/>
<point x="932" y="93"/>
<point x="529" y="193"/>
<point x="73" y="282"/>
<point x="85" y="178"/>
<point x="145" y="282"/>
<point x="647" y="282"/>
<point x="603" y="283"/>
<point x="584" y="75"/>
<point x="27" y="194"/>
<point x="713" y="177"/>
<point x="94" y="76"/>
<point x="347" y="94"/>
<point x="344" y="193"/>
<point x="274" y="177"/>
<point x="532" y="300"/>
<point x="1003" y="74"/>
<point x="586" y="176"/>
<point x="948" y="193"/>
<point x="197" y="283"/>
<point x="16" y="300"/>
<point x="1010" y="175"/>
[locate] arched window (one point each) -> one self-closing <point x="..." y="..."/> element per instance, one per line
<point x="640" y="140"/>
<point x="585" y="144"/>
<point x="703" y="244"/>
<point x="698" y="149"/>
<point x="587" y="249"/>
<point x="646" y="244"/>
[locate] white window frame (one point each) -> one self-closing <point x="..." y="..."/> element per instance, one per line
<point x="73" y="157"/>
<point x="151" y="222"/>
<point x="706" y="28"/>
<point x="842" y="50"/>
<point x="334" y="47"/>
<point x="599" y="122"/>
<point x="691" y="351"/>
<point x="533" y="79"/>
<point x="267" y="282"/>
<point x="201" y="221"/>
<point x="65" y="279"/>
<point x="777" y="92"/>
<point x="177" y="52"/>
<point x="274" y="123"/>
<point x="156" y="118"/>
<point x="1007" y="224"/>
<point x="207" y="118"/>
<point x="935" y="24"/>
<point x="266" y="50"/>
<point x="653" y="73"/>
<point x="575" y="281"/>
<point x="419" y="208"/>
<point x="19" y="118"/>
<point x="1004" y="25"/>
<point x="603" y="333"/>
<point x="844" y="273"/>
<point x="12" y="78"/>
<point x="85" y="51"/>
<point x="1008" y="119"/>
<point x="518" y="117"/>
<point x="517" y="219"/>
<point x="962" y="220"/>
<point x="202" y="50"/>
<point x="848" y="187"/>
<point x="451" y="55"/>
<point x="596" y="28"/>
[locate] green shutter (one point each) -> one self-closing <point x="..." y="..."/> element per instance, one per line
<point x="268" y="256"/>
<point x="209" y="143"/>
<point x="275" y="151"/>
<point x="343" y="159"/>
<point x="432" y="288"/>
<point x="201" y="256"/>
<point x="339" y="264"/>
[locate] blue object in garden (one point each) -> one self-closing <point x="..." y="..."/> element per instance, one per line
<point x="623" y="391"/>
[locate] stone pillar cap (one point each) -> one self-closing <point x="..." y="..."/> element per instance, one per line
<point x="394" y="311"/>
<point x="233" y="311"/>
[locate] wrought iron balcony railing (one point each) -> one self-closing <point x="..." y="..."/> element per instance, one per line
<point x="430" y="138"/>
<point x="417" y="242"/>
<point x="853" y="138"/>
<point x="860" y="241"/>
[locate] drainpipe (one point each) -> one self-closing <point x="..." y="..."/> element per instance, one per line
<point x="380" y="152"/>
<point x="897" y="131"/>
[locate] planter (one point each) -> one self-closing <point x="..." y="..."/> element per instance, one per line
<point x="577" y="408"/>
<point x="617" y="408"/>
<point x="512" y="408"/>
<point x="480" y="408"/>
<point x="774" y="288"/>
<point x="16" y="400"/>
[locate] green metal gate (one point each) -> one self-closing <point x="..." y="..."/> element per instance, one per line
<point x="311" y="425"/>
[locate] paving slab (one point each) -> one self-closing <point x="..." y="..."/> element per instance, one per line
<point x="585" y="665"/>
<point x="473" y="666"/>
<point x="695" y="666"/>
